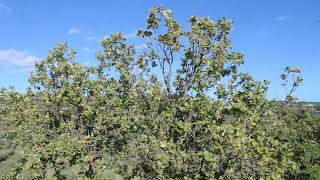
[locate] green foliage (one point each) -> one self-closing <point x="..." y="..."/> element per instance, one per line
<point x="179" y="109"/>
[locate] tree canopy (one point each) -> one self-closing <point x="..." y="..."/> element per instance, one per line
<point x="178" y="109"/>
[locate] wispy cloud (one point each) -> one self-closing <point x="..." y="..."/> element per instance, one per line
<point x="4" y="8"/>
<point x="74" y="31"/>
<point x="16" y="57"/>
<point x="281" y="18"/>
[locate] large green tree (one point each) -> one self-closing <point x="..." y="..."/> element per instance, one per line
<point x="178" y="109"/>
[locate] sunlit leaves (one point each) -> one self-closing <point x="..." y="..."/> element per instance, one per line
<point x="178" y="109"/>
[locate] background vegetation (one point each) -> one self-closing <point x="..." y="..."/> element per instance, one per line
<point x="180" y="109"/>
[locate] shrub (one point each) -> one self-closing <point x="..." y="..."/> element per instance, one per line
<point x="180" y="108"/>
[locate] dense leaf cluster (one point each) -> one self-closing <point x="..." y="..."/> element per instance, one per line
<point x="178" y="109"/>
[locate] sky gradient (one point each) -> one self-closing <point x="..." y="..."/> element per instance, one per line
<point x="271" y="34"/>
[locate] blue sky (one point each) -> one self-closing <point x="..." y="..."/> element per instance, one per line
<point x="271" y="34"/>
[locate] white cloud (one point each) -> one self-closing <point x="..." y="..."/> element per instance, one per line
<point x="74" y="31"/>
<point x="18" y="58"/>
<point x="281" y="18"/>
<point x="4" y="8"/>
